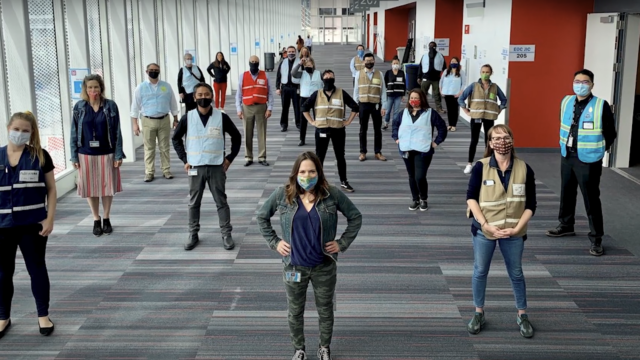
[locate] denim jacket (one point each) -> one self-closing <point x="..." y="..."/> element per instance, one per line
<point x="113" y="128"/>
<point x="334" y="201"/>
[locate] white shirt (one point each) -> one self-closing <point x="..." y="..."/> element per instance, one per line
<point x="308" y="42"/>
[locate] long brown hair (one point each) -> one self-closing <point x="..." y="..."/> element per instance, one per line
<point x="501" y="128"/>
<point x="424" y="103"/>
<point x="92" y="77"/>
<point x="220" y="63"/>
<point x="292" y="189"/>
<point x="450" y="69"/>
<point x="34" y="140"/>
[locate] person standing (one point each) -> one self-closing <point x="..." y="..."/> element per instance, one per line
<point x="308" y="43"/>
<point x="413" y="132"/>
<point x="357" y="63"/>
<point x="188" y="77"/>
<point x="205" y="161"/>
<point x="308" y="206"/>
<point x="254" y="101"/>
<point x="153" y="100"/>
<point x="328" y="106"/>
<point x="371" y="94"/>
<point x="483" y="108"/>
<point x="451" y="86"/>
<point x="219" y="70"/>
<point x="431" y="67"/>
<point x="96" y="150"/>
<point x="299" y="43"/>
<point x="501" y="199"/>
<point x="396" y="88"/>
<point x="28" y="201"/>
<point x="587" y="131"/>
<point x="310" y="82"/>
<point x="288" y="88"/>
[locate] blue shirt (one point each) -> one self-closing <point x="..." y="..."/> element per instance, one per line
<point x="94" y="123"/>
<point x="306" y="244"/>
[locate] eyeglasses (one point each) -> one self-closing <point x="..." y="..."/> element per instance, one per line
<point x="502" y="139"/>
<point x="585" y="82"/>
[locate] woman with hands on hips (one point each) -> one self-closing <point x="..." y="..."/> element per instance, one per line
<point x="308" y="208"/>
<point x="501" y="199"/>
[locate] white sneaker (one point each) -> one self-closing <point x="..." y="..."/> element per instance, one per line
<point x="299" y="355"/>
<point x="468" y="169"/>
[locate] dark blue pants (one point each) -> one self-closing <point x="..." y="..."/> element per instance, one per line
<point x="33" y="248"/>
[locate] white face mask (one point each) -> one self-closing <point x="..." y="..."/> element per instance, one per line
<point x="188" y="62"/>
<point x="19" y="138"/>
<point x="395" y="66"/>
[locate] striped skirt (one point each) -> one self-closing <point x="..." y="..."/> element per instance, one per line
<point x="97" y="177"/>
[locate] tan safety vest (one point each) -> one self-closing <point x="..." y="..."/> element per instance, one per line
<point x="484" y="105"/>
<point x="329" y="114"/>
<point x="369" y="90"/>
<point x="358" y="63"/>
<point x="503" y="209"/>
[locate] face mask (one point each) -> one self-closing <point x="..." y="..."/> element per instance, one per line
<point x="432" y="49"/>
<point x="188" y="62"/>
<point x="503" y="148"/>
<point x="309" y="69"/>
<point x="307" y="183"/>
<point x="581" y="89"/>
<point x="395" y="67"/>
<point x="328" y="84"/>
<point x="369" y="65"/>
<point x="454" y="65"/>
<point x="414" y="103"/>
<point x="360" y="53"/>
<point x="154" y="74"/>
<point x="291" y="56"/>
<point x="485" y="76"/>
<point x="19" y="138"/>
<point x="204" y="102"/>
<point x="93" y="94"/>
<point x="254" y="68"/>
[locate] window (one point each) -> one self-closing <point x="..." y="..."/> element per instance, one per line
<point x="95" y="38"/>
<point x="326" y="11"/>
<point x="347" y="11"/>
<point x="132" y="49"/>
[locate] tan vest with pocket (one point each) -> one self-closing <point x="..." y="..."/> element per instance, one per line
<point x="484" y="105"/>
<point x="369" y="91"/>
<point x="329" y="113"/>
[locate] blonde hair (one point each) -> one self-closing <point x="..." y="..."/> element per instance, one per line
<point x="304" y="49"/>
<point x="310" y="59"/>
<point x="34" y="140"/>
<point x="92" y="77"/>
<point x="502" y="129"/>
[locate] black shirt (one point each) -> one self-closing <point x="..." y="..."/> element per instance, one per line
<point x="227" y="126"/>
<point x="219" y="73"/>
<point x="181" y="89"/>
<point x="608" y="123"/>
<point x="48" y="162"/>
<point x="348" y="101"/>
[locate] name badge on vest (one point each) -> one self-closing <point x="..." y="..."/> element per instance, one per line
<point x="587" y="125"/>
<point x="375" y="81"/>
<point x="213" y="131"/>
<point x="519" y="189"/>
<point x="193" y="172"/>
<point x="399" y="78"/>
<point x="292" y="276"/>
<point x="261" y="81"/>
<point x="336" y="102"/>
<point x="488" y="183"/>
<point x="29" y="175"/>
<point x="94" y="143"/>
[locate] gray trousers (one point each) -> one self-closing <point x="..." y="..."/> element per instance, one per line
<point x="215" y="177"/>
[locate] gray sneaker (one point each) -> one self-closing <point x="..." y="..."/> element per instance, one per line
<point x="299" y="355"/>
<point x="477" y="322"/>
<point x="526" y="329"/>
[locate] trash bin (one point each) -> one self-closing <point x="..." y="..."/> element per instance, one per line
<point x="269" y="61"/>
<point x="401" y="52"/>
<point x="411" y="73"/>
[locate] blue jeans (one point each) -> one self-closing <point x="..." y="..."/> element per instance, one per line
<point x="392" y="103"/>
<point x="511" y="250"/>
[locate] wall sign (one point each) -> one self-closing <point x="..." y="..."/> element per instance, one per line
<point x="193" y="53"/>
<point x="272" y="40"/>
<point x="257" y="43"/>
<point x="522" y="52"/>
<point x="442" y="45"/>
<point x="464" y="51"/>
<point x="466" y="29"/>
<point x="76" y="76"/>
<point x="234" y="48"/>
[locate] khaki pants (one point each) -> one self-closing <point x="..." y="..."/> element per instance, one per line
<point x="254" y="116"/>
<point x="152" y="129"/>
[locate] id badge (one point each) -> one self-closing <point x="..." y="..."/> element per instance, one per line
<point x="587" y="125"/>
<point x="399" y="79"/>
<point x="94" y="143"/>
<point x="298" y="91"/>
<point x="323" y="135"/>
<point x="336" y="102"/>
<point x="477" y="121"/>
<point x="570" y="141"/>
<point x="405" y="154"/>
<point x="261" y="81"/>
<point x="213" y="131"/>
<point x="375" y="81"/>
<point x="193" y="172"/>
<point x="489" y="183"/>
<point x="519" y="189"/>
<point x="29" y="175"/>
<point x="292" y="276"/>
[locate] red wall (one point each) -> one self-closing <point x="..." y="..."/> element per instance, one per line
<point x="396" y="31"/>
<point x="368" y="24"/>
<point x="449" y="24"/>
<point x="558" y="29"/>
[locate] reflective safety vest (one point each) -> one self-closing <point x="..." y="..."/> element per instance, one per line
<point x="23" y="191"/>
<point x="369" y="91"/>
<point x="190" y="81"/>
<point x="256" y="91"/>
<point x="358" y="63"/>
<point x="590" y="142"/>
<point x="484" y="105"/>
<point x="155" y="102"/>
<point x="416" y="136"/>
<point x="310" y="83"/>
<point x="284" y="73"/>
<point x="329" y="114"/>
<point x="205" y="145"/>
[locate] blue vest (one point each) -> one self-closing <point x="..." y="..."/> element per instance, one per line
<point x="415" y="136"/>
<point x="21" y="202"/>
<point x="205" y="145"/>
<point x="156" y="102"/>
<point x="590" y="142"/>
<point x="189" y="81"/>
<point x="310" y="83"/>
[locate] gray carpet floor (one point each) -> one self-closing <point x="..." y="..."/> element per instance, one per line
<point x="404" y="287"/>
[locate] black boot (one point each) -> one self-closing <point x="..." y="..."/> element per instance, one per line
<point x="106" y="227"/>
<point x="227" y="242"/>
<point x="97" y="228"/>
<point x="192" y="242"/>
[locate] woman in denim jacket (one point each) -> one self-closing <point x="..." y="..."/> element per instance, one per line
<point x="96" y="150"/>
<point x="308" y="208"/>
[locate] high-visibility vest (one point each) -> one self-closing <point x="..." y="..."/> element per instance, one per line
<point x="484" y="105"/>
<point x="329" y="114"/>
<point x="416" y="136"/>
<point x="590" y="142"/>
<point x="256" y="91"/>
<point x="205" y="145"/>
<point x="369" y="91"/>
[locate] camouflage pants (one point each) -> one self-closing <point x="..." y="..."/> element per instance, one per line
<point x="323" y="280"/>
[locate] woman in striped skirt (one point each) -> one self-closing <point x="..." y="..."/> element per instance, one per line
<point x="96" y="150"/>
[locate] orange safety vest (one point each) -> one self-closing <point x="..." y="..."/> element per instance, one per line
<point x="256" y="91"/>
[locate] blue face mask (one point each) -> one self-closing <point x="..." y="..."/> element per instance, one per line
<point x="307" y="183"/>
<point x="581" y="89"/>
<point x="360" y="53"/>
<point x="454" y="65"/>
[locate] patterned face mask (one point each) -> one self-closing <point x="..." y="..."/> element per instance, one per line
<point x="503" y="147"/>
<point x="307" y="183"/>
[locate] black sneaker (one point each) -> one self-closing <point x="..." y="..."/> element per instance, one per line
<point x="299" y="355"/>
<point x="423" y="205"/>
<point x="345" y="185"/>
<point x="324" y="353"/>
<point x="414" y="205"/>
<point x="477" y="322"/>
<point x="561" y="230"/>
<point x="106" y="227"/>
<point x="192" y="242"/>
<point x="97" y="228"/>
<point x="596" y="248"/>
<point x="526" y="329"/>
